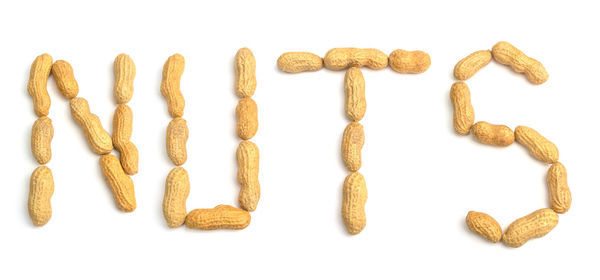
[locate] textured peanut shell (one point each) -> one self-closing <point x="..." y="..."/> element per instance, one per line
<point x="120" y="184"/>
<point x="560" y="194"/>
<point x="342" y="58"/>
<point x="464" y="115"/>
<point x="295" y="62"/>
<point x="507" y="54"/>
<point x="65" y="79"/>
<point x="245" y="73"/>
<point x="353" y="203"/>
<point x="170" y="85"/>
<point x="98" y="139"/>
<point x="493" y="134"/>
<point x="129" y="156"/>
<point x="42" y="133"/>
<point x="41" y="188"/>
<point x="538" y="146"/>
<point x="177" y="136"/>
<point x="177" y="189"/>
<point x="124" y="69"/>
<point x="37" y="85"/>
<point x="248" y="166"/>
<point x="352" y="143"/>
<point x="534" y="225"/>
<point x="122" y="128"/>
<point x="468" y="66"/>
<point x="354" y="86"/>
<point x="411" y="62"/>
<point x="246" y="114"/>
<point x="484" y="225"/>
<point x="220" y="217"/>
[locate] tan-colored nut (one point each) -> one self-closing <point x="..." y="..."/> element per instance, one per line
<point x="352" y="143"/>
<point x="124" y="69"/>
<point x="560" y="194"/>
<point x="493" y="134"/>
<point x="122" y="127"/>
<point x="98" y="139"/>
<point x="220" y="217"/>
<point x="170" y="85"/>
<point x="464" y="115"/>
<point x="295" y="62"/>
<point x="120" y="184"/>
<point x="353" y="203"/>
<point x="342" y="58"/>
<point x="507" y="54"/>
<point x="177" y="189"/>
<point x="177" y="136"/>
<point x="468" y="66"/>
<point x="413" y="62"/>
<point x="129" y="156"/>
<point x="484" y="225"/>
<point x="41" y="188"/>
<point x="534" y="225"/>
<point x="248" y="166"/>
<point x="354" y="86"/>
<point x="246" y="114"/>
<point x="539" y="147"/>
<point x="245" y="73"/>
<point x="37" y="85"/>
<point x="42" y="133"/>
<point x="65" y="79"/>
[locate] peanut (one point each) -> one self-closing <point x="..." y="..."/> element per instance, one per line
<point x="65" y="79"/>
<point x="41" y="188"/>
<point x="245" y="73"/>
<point x="37" y="85"/>
<point x="122" y="127"/>
<point x="220" y="217"/>
<point x="507" y="54"/>
<point x="177" y="136"/>
<point x="534" y="225"/>
<point x="484" y="225"/>
<point x="41" y="139"/>
<point x="129" y="155"/>
<point x="98" y="139"/>
<point x="169" y="87"/>
<point x="493" y="134"/>
<point x="468" y="66"/>
<point x="248" y="165"/>
<point x="539" y="147"/>
<point x="246" y="114"/>
<point x="354" y="86"/>
<point x="413" y="62"/>
<point x="353" y="203"/>
<point x="352" y="143"/>
<point x="120" y="184"/>
<point x="295" y="62"/>
<point x="342" y="58"/>
<point x="560" y="195"/>
<point x="464" y="115"/>
<point x="124" y="69"/>
<point x="177" y="189"/>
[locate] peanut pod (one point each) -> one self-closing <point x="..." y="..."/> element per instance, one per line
<point x="177" y="189"/>
<point x="352" y="143"/>
<point x="170" y="84"/>
<point x="493" y="134"/>
<point x="295" y="62"/>
<point x="560" y="194"/>
<point x="342" y="58"/>
<point x="41" y="139"/>
<point x="353" y="203"/>
<point x="120" y="184"/>
<point x="41" y="188"/>
<point x="37" y="85"/>
<point x="484" y="225"/>
<point x="245" y="73"/>
<point x="65" y="79"/>
<point x="468" y="66"/>
<point x="246" y="114"/>
<point x="464" y="115"/>
<point x="248" y="166"/>
<point x="354" y="86"/>
<point x="124" y="69"/>
<point x="177" y="136"/>
<point x="122" y="128"/>
<point x="534" y="225"/>
<point x="507" y="54"/>
<point x="98" y="139"/>
<point x="413" y="62"/>
<point x="220" y="217"/>
<point x="538" y="146"/>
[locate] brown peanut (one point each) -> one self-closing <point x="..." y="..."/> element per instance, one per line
<point x="124" y="69"/>
<point x="539" y="147"/>
<point x="352" y="143"/>
<point x="464" y="115"/>
<point x="120" y="184"/>
<point x="507" y="54"/>
<point x="37" y="85"/>
<point x="534" y="225"/>
<point x="245" y="73"/>
<point x="122" y="127"/>
<point x="493" y="134"/>
<point x="41" y="188"/>
<point x="170" y="85"/>
<point x="468" y="66"/>
<point x="177" y="136"/>
<point x="295" y="62"/>
<point x="248" y="166"/>
<point x="342" y="58"/>
<point x="560" y="194"/>
<point x="177" y="189"/>
<point x="65" y="79"/>
<point x="484" y="225"/>
<point x="246" y="114"/>
<point x="42" y="133"/>
<point x="98" y="139"/>
<point x="220" y="217"/>
<point x="353" y="203"/>
<point x="413" y="62"/>
<point x="354" y="86"/>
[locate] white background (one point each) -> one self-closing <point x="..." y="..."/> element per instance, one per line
<point x="422" y="177"/>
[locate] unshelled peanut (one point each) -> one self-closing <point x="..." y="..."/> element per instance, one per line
<point x="484" y="225"/>
<point x="353" y="203"/>
<point x="41" y="188"/>
<point x="342" y="58"/>
<point x="246" y="114"/>
<point x="245" y="73"/>
<point x="539" y="147"/>
<point x="37" y="85"/>
<point x="534" y="225"/>
<point x="354" y="86"/>
<point x="248" y="167"/>
<point x="295" y="62"/>
<point x="352" y="143"/>
<point x="412" y="62"/>
<point x="177" y="136"/>
<point x="220" y="217"/>
<point x="122" y="127"/>
<point x="170" y="84"/>
<point x="177" y="189"/>
<point x="464" y="115"/>
<point x="507" y="54"/>
<point x="98" y="139"/>
<point x="493" y="134"/>
<point x="468" y="66"/>
<point x="560" y="194"/>
<point x="120" y="184"/>
<point x="42" y="133"/>
<point x="124" y="69"/>
<point x="65" y="79"/>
